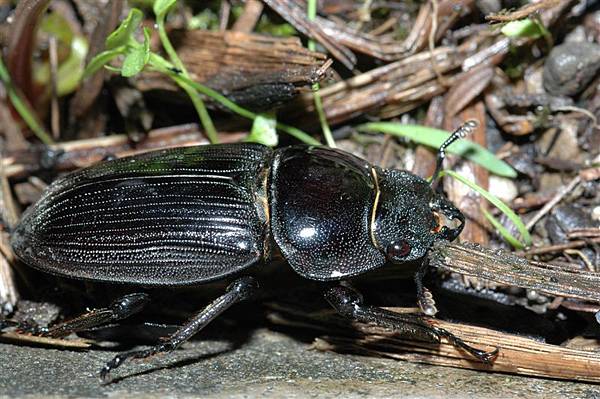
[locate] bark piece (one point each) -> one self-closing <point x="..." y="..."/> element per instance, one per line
<point x="255" y="71"/>
<point x="517" y="354"/>
<point x="71" y="155"/>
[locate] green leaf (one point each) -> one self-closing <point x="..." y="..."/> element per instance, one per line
<point x="205" y="20"/>
<point x="435" y="137"/>
<point x="524" y="28"/>
<point x="56" y="25"/>
<point x="101" y="60"/>
<point x="266" y="25"/>
<point x="502" y="230"/>
<point x="133" y="62"/>
<point x="69" y="42"/>
<point x="70" y="72"/>
<point x="124" y="33"/>
<point x="526" y="237"/>
<point x="162" y="7"/>
<point x="264" y="130"/>
<point x="137" y="57"/>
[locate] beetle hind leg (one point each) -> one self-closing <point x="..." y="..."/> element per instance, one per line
<point x="119" y="309"/>
<point x="349" y="303"/>
<point x="240" y="290"/>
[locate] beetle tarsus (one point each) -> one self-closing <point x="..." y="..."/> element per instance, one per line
<point x="427" y="303"/>
<point x="486" y="357"/>
<point x="424" y="297"/>
<point x="119" y="309"/>
<point x="241" y="289"/>
<point x="136" y="354"/>
<point x="348" y="303"/>
<point x="8" y="323"/>
<point x="27" y="326"/>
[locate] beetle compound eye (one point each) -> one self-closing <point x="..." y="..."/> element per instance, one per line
<point x="398" y="250"/>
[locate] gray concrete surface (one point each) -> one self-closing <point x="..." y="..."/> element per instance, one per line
<point x="267" y="364"/>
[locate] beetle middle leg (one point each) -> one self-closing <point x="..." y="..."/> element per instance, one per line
<point x="349" y="303"/>
<point x="240" y="290"/>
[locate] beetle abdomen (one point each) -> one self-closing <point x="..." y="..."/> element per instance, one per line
<point x="171" y="217"/>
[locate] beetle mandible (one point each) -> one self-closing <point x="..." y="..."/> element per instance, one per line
<point x="192" y="215"/>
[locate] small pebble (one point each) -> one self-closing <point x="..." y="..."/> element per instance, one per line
<point x="503" y="188"/>
<point x="596" y="214"/>
<point x="570" y="67"/>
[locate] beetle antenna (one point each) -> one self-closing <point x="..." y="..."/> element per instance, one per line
<point x="462" y="131"/>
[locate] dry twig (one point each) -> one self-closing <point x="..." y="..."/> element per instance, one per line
<point x="524" y="11"/>
<point x="505" y="268"/>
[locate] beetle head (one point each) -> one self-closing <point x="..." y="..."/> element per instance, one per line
<point x="409" y="216"/>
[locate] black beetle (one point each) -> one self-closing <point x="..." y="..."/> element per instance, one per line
<point x="192" y="215"/>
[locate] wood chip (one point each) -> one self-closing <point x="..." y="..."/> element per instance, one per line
<point x="44" y="341"/>
<point x="83" y="153"/>
<point x="518" y="355"/>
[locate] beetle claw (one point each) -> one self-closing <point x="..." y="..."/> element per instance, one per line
<point x="486" y="357"/>
<point x="112" y="364"/>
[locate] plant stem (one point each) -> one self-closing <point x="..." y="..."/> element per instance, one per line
<point x="227" y="103"/>
<point x="205" y="119"/>
<point x="23" y="107"/>
<point x="312" y="14"/>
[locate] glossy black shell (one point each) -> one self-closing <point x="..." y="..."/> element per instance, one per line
<point x="404" y="213"/>
<point x="321" y="203"/>
<point x="171" y="217"/>
<point x="196" y="214"/>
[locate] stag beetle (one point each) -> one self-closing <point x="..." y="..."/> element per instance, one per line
<point x="191" y="215"/>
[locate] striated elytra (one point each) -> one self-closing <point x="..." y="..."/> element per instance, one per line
<point x="191" y="215"/>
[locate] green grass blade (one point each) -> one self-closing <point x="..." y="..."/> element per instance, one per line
<point x="162" y="65"/>
<point x="502" y="230"/>
<point x="312" y="14"/>
<point x="528" y="28"/>
<point x="23" y="107"/>
<point x="435" y="137"/>
<point x="525" y="236"/>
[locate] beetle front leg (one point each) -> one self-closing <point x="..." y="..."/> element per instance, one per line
<point x="349" y="303"/>
<point x="424" y="298"/>
<point x="240" y="290"/>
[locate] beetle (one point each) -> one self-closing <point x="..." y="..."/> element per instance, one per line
<point x="192" y="215"/>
